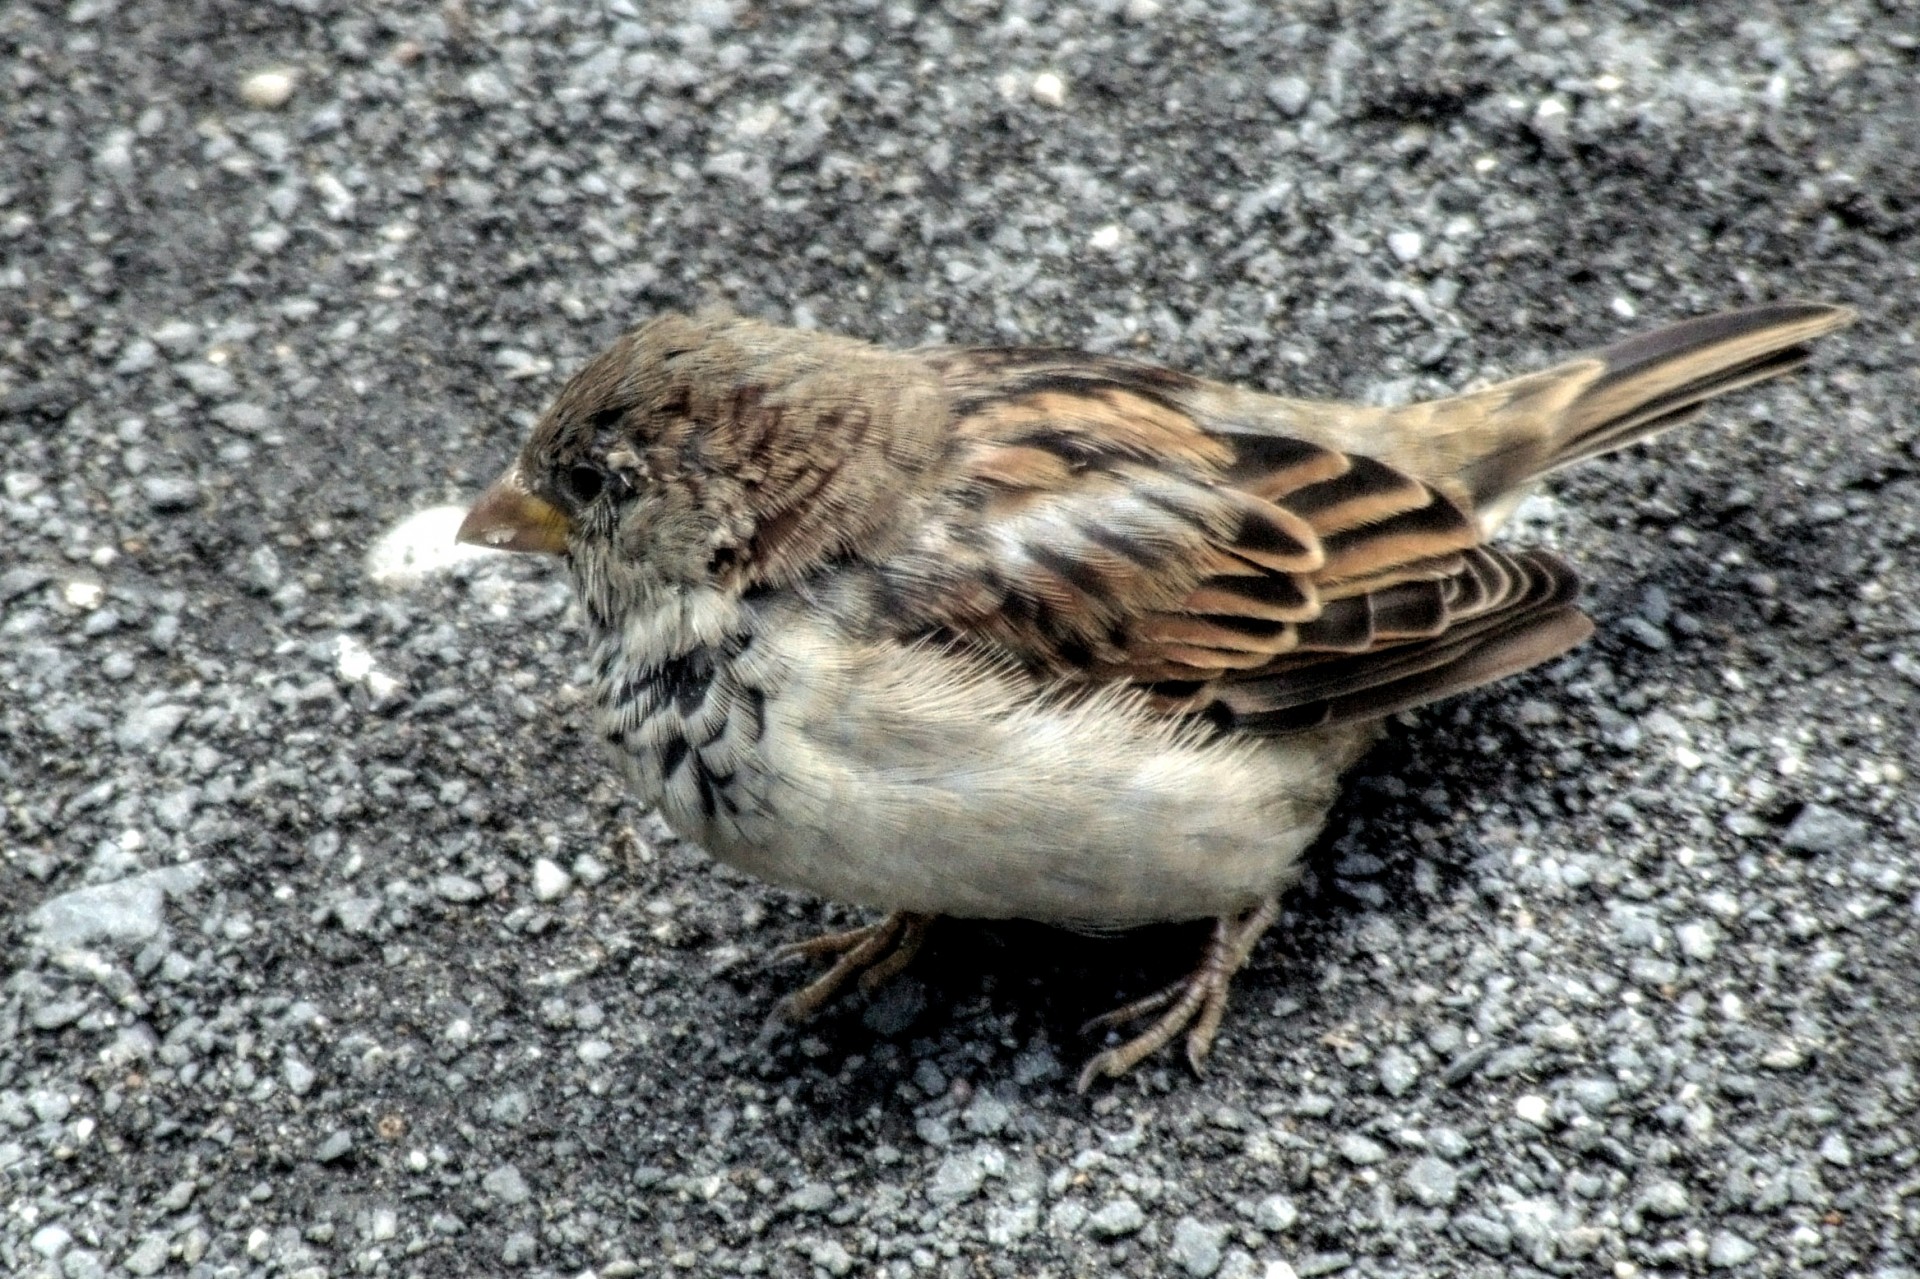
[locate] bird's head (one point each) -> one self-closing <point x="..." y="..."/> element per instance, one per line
<point x="714" y="453"/>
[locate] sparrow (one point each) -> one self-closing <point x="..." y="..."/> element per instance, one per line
<point x="1041" y="634"/>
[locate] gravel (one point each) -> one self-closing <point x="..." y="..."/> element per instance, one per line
<point x="333" y="946"/>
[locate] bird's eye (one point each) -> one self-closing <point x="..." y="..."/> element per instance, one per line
<point x="584" y="482"/>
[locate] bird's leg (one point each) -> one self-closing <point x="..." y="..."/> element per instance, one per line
<point x="1195" y="1003"/>
<point x="876" y="953"/>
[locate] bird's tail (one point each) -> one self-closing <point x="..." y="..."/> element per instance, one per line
<point x="1620" y="394"/>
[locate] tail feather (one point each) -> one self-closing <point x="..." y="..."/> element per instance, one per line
<point x="1634" y="389"/>
<point x="1653" y="378"/>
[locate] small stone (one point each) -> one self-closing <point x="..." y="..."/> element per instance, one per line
<point x="520" y="1248"/>
<point x="1484" y="1233"/>
<point x="550" y="882"/>
<point x="51" y="1240"/>
<point x="299" y="1076"/>
<point x="1646" y="634"/>
<point x="1197" y="1246"/>
<point x="1433" y="1181"/>
<point x="1361" y="1151"/>
<point x="1727" y="1250"/>
<point x="242" y="417"/>
<point x="1141" y="11"/>
<point x="127" y="910"/>
<point x="1398" y="1072"/>
<point x="147" y="728"/>
<point x="335" y="1146"/>
<point x="458" y="888"/>
<point x="263" y="571"/>
<point x="507" y="1185"/>
<point x="815" y="1196"/>
<point x="1115" y="1218"/>
<point x="1836" y="1151"/>
<point x="1406" y="245"/>
<point x="1664" y="1198"/>
<point x="57" y="1013"/>
<point x="149" y="1256"/>
<point x="209" y="381"/>
<point x="1049" y="90"/>
<point x="1696" y="940"/>
<point x="986" y="1114"/>
<point x="166" y="493"/>
<point x="1818" y="829"/>
<point x="1290" y="93"/>
<point x="955" y="1179"/>
<point x="1007" y="1224"/>
<point x="16" y="582"/>
<point x="1531" y="1108"/>
<point x="831" y="1256"/>
<point x="1275" y="1214"/>
<point x="268" y="90"/>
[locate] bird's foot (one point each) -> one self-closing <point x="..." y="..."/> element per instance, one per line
<point x="875" y="954"/>
<point x="1195" y="1003"/>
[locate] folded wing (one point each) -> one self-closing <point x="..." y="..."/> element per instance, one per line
<point x="1101" y="533"/>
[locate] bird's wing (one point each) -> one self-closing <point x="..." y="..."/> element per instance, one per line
<point x="1095" y="530"/>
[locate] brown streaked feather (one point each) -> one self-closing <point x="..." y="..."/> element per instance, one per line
<point x="1248" y="574"/>
<point x="1276" y="562"/>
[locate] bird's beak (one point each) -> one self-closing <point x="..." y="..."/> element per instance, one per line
<point x="508" y="517"/>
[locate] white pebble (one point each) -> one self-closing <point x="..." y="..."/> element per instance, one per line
<point x="355" y="663"/>
<point x="1623" y="308"/>
<point x="420" y="546"/>
<point x="1406" y="245"/>
<point x="83" y="594"/>
<point x="1532" y="1108"/>
<point x="550" y="882"/>
<point x="1049" y="90"/>
<point x="1142" y="10"/>
<point x="1106" y="239"/>
<point x="268" y="90"/>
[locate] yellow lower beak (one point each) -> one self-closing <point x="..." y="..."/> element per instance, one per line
<point x="508" y="517"/>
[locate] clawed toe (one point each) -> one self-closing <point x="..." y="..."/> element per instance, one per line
<point x="1194" y="1004"/>
<point x="875" y="954"/>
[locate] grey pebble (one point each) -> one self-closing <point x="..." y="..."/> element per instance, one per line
<point x="334" y="1146"/>
<point x="1116" y="1217"/>
<point x="1290" y="93"/>
<point x="1275" y="1214"/>
<point x="148" y="728"/>
<point x="1361" y="1151"/>
<point x="1728" y="1251"/>
<point x="1197" y="1246"/>
<point x="1664" y="1197"/>
<point x="1819" y="830"/>
<point x="815" y="1196"/>
<point x="1433" y="1181"/>
<point x="148" y="1257"/>
<point x="299" y="1076"/>
<point x="956" y="1178"/>
<point x="506" y="1185"/>
<point x="458" y="888"/>
<point x="170" y="492"/>
<point x="242" y="417"/>
<point x="1484" y="1233"/>
<point x="209" y="381"/>
<point x="125" y="911"/>
<point x="1398" y="1072"/>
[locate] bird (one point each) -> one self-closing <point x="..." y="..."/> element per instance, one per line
<point x="1032" y="633"/>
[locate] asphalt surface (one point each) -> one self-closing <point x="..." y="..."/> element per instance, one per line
<point x="332" y="947"/>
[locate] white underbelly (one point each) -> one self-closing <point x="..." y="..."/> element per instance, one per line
<point x="922" y="780"/>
